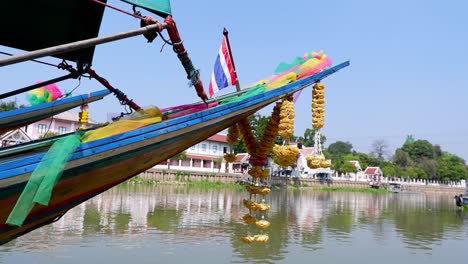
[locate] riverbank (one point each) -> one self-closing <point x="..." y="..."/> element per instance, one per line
<point x="227" y="180"/>
<point x="219" y="185"/>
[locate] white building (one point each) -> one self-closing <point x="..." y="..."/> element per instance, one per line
<point x="206" y="156"/>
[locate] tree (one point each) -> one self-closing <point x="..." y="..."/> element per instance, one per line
<point x="429" y="166"/>
<point x="402" y="158"/>
<point x="258" y="123"/>
<point x="437" y="151"/>
<point x="389" y="169"/>
<point x="308" y="139"/>
<point x="348" y="167"/>
<point x="451" y="167"/>
<point x="337" y="162"/>
<point x="415" y="173"/>
<point x="366" y="160"/>
<point x="379" y="149"/>
<point x="340" y="148"/>
<point x="7" y="106"/>
<point x="419" y="149"/>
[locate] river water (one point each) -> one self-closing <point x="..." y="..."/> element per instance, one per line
<point x="167" y="224"/>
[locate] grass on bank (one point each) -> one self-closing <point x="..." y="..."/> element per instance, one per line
<point x="205" y="184"/>
<point x="197" y="184"/>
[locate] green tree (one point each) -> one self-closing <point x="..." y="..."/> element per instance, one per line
<point x="366" y="160"/>
<point x="340" y="148"/>
<point x="337" y="162"/>
<point x="415" y="173"/>
<point x="429" y="166"/>
<point x="419" y="149"/>
<point x="402" y="158"/>
<point x="451" y="167"/>
<point x="308" y="139"/>
<point x="348" y="167"/>
<point x="7" y="106"/>
<point x="258" y="123"/>
<point x="389" y="169"/>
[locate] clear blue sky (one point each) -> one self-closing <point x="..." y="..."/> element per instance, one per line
<point x="408" y="73"/>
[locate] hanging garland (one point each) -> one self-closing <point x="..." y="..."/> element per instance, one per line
<point x="286" y="155"/>
<point x="259" y="187"/>
<point x="318" y="116"/>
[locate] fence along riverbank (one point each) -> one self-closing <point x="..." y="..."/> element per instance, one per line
<point x="181" y="177"/>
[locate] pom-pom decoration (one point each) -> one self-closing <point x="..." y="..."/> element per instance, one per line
<point x="44" y="94"/>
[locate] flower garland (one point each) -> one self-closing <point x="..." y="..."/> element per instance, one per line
<point x="233" y="135"/>
<point x="259" y="186"/>
<point x="232" y="139"/>
<point x="286" y="126"/>
<point x="286" y="155"/>
<point x="318" y="105"/>
<point x="318" y="116"/>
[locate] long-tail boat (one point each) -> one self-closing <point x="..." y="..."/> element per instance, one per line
<point x="100" y="158"/>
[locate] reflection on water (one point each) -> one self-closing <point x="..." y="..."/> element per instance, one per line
<point x="176" y="225"/>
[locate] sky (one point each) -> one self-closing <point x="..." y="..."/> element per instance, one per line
<point x="408" y="72"/>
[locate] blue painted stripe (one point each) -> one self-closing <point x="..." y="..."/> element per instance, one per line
<point x="26" y="165"/>
<point x="31" y="114"/>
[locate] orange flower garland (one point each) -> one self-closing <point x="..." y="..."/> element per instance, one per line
<point x="258" y="188"/>
<point x="286" y="155"/>
<point x="318" y="116"/>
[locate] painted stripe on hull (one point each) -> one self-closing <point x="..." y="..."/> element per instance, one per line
<point x="95" y="170"/>
<point x="71" y="191"/>
<point x="20" y="117"/>
<point x="117" y="141"/>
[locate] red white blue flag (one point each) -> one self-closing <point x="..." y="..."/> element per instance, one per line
<point x="223" y="74"/>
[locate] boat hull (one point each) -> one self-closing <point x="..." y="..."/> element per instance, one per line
<point x="99" y="165"/>
<point x="17" y="118"/>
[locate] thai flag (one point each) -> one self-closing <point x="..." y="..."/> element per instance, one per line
<point x="223" y="74"/>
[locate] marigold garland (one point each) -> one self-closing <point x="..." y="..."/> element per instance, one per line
<point x="318" y="115"/>
<point x="258" y="158"/>
<point x="318" y="105"/>
<point x="248" y="137"/>
<point x="286" y="125"/>
<point x="233" y="135"/>
<point x="285" y="155"/>
<point x="230" y="157"/>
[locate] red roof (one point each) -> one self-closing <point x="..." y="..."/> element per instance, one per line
<point x="355" y="164"/>
<point x="306" y="151"/>
<point x="200" y="157"/>
<point x="219" y="138"/>
<point x="240" y="157"/>
<point x="371" y="170"/>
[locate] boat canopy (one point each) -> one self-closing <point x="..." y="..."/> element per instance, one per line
<point x="161" y="8"/>
<point x="34" y="25"/>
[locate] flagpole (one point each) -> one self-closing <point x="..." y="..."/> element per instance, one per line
<point x="225" y="33"/>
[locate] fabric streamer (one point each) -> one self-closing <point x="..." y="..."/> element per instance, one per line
<point x="43" y="179"/>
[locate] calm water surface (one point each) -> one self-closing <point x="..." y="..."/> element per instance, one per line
<point x="166" y="224"/>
